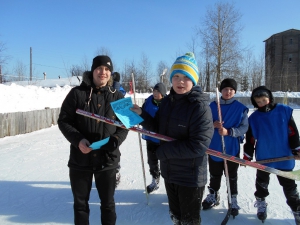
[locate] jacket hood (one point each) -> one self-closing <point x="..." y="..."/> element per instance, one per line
<point x="261" y="90"/>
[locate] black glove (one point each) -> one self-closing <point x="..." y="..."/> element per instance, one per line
<point x="111" y="145"/>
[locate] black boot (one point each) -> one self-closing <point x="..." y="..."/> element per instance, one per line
<point x="211" y="200"/>
<point x="235" y="208"/>
<point x="261" y="206"/>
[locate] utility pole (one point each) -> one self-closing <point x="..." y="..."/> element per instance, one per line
<point x="30" y="64"/>
<point x="0" y="75"/>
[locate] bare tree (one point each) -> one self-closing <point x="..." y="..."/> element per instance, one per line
<point x="3" y="56"/>
<point x="76" y="70"/>
<point x="144" y="78"/>
<point x="221" y="37"/>
<point x="85" y="64"/>
<point x="103" y="51"/>
<point x="19" y="71"/>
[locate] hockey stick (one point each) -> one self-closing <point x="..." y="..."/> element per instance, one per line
<point x="277" y="159"/>
<point x="294" y="175"/>
<point x="225" y="220"/>
<point x="140" y="144"/>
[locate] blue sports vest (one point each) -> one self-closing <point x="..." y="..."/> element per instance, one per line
<point x="232" y="115"/>
<point x="150" y="108"/>
<point x="270" y="130"/>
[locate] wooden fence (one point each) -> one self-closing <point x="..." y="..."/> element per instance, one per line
<point x="25" y="122"/>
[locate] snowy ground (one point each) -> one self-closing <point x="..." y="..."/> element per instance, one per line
<point x="35" y="189"/>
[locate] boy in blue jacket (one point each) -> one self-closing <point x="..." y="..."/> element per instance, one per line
<point x="233" y="128"/>
<point x="272" y="133"/>
<point x="151" y="106"/>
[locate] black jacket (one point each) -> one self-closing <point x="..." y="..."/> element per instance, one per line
<point x="76" y="127"/>
<point x="188" y="119"/>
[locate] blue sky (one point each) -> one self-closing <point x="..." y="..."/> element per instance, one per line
<point x="63" y="33"/>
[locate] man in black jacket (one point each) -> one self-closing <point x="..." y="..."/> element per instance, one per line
<point x="93" y="95"/>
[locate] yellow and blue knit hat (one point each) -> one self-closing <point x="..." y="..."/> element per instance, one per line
<point x="187" y="66"/>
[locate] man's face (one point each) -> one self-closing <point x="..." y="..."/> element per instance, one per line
<point x="101" y="76"/>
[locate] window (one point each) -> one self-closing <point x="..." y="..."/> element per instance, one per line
<point x="290" y="58"/>
<point x="291" y="41"/>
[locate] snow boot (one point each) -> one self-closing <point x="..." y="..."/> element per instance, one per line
<point x="212" y="199"/>
<point x="297" y="217"/>
<point x="235" y="208"/>
<point x="154" y="185"/>
<point x="261" y="206"/>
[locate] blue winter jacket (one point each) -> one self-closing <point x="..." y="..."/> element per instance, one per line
<point x="151" y="108"/>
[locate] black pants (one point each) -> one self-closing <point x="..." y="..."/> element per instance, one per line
<point x="184" y="203"/>
<point x="216" y="171"/>
<point x="81" y="184"/>
<point x="152" y="159"/>
<point x="289" y="189"/>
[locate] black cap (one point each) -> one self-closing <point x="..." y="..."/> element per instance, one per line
<point x="116" y="76"/>
<point x="102" y="60"/>
<point x="161" y="88"/>
<point x="228" y="82"/>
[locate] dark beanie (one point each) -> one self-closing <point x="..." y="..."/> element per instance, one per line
<point x="116" y="76"/>
<point x="161" y="88"/>
<point x="261" y="91"/>
<point x="102" y="60"/>
<point x="228" y="82"/>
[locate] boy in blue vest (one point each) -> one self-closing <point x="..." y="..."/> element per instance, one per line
<point x="233" y="128"/>
<point x="151" y="105"/>
<point x="272" y="133"/>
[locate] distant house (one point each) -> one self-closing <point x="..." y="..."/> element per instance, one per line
<point x="282" y="61"/>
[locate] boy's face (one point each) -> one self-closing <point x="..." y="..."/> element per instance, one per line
<point x="181" y="83"/>
<point x="227" y="93"/>
<point x="157" y="95"/>
<point x="262" y="101"/>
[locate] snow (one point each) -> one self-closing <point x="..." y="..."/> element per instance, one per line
<point x="35" y="189"/>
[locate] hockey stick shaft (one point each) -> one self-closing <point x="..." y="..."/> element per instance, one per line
<point x="140" y="143"/>
<point x="276" y="159"/>
<point x="226" y="218"/>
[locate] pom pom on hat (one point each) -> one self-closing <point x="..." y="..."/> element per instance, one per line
<point x="187" y="66"/>
<point x="228" y="82"/>
<point x="102" y="60"/>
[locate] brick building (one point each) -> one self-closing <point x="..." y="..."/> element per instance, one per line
<point x="282" y="61"/>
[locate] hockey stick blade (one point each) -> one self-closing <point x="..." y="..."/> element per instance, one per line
<point x="294" y="175"/>
<point x="226" y="218"/>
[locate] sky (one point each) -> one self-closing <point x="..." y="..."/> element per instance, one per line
<point x="66" y="33"/>
<point x="35" y="187"/>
